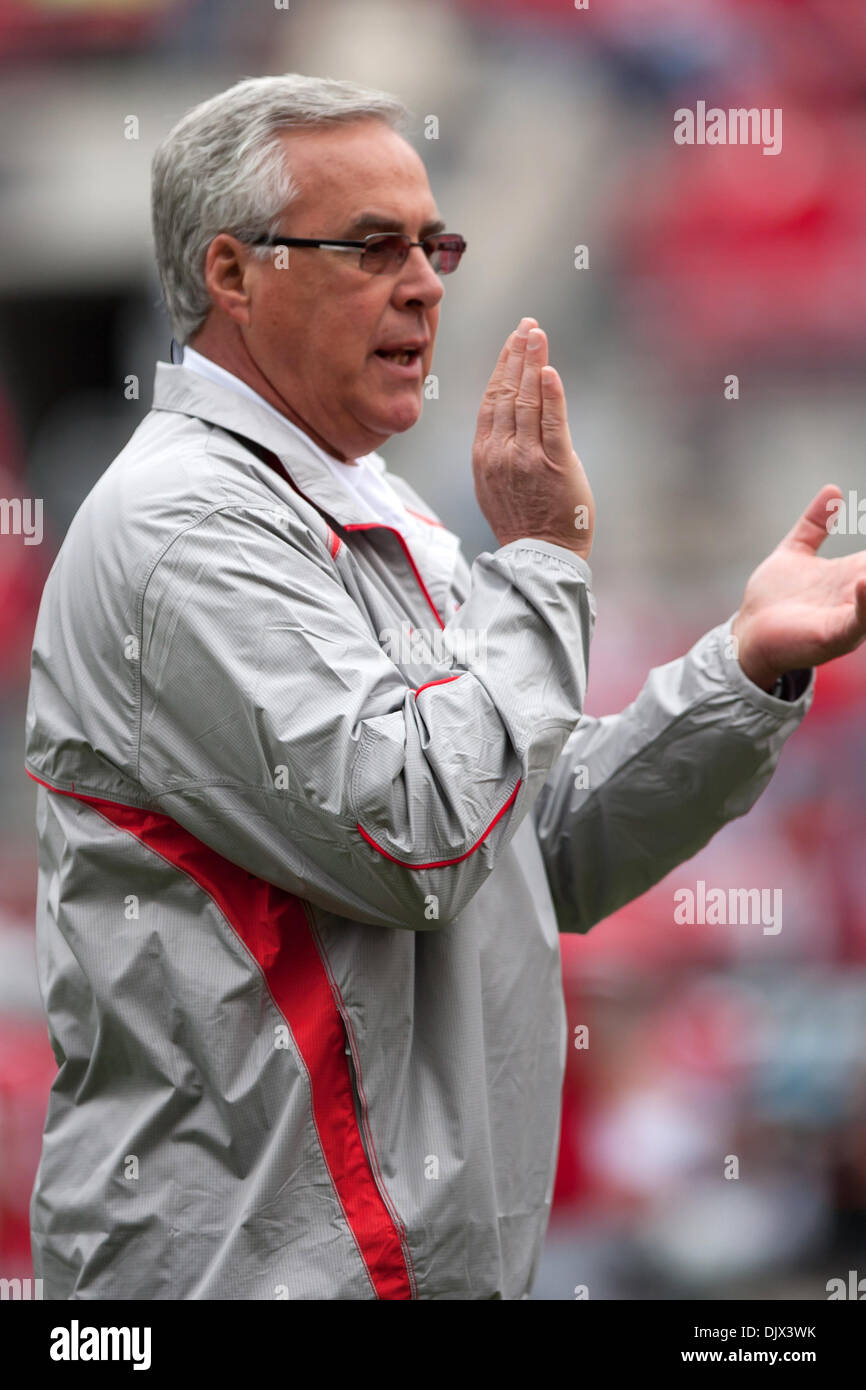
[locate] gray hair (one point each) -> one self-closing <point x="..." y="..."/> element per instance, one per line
<point x="222" y="169"/>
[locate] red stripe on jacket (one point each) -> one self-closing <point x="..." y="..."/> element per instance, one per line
<point x="273" y="926"/>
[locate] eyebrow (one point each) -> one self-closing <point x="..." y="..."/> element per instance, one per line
<point x="369" y="222"/>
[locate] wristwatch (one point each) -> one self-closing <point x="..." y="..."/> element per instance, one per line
<point x="791" y="684"/>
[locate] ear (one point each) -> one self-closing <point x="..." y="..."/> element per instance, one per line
<point x="226" y="272"/>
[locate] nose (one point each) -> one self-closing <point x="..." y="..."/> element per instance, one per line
<point x="418" y="283"/>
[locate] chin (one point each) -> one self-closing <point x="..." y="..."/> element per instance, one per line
<point x="396" y="419"/>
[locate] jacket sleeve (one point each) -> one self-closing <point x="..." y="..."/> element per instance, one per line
<point x="634" y="794"/>
<point x="276" y="730"/>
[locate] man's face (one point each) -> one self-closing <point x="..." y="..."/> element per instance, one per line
<point x="318" y="327"/>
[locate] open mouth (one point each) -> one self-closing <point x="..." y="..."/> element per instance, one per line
<point x="403" y="357"/>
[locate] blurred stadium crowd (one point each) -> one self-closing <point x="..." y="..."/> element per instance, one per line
<point x="554" y="132"/>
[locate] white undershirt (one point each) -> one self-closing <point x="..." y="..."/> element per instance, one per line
<point x="364" y="476"/>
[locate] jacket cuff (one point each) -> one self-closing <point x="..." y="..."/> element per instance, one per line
<point x="795" y="688"/>
<point x="561" y="552"/>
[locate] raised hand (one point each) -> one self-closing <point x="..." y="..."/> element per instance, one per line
<point x="799" y="609"/>
<point x="528" y="479"/>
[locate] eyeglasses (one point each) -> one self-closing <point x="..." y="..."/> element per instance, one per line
<point x="383" y="252"/>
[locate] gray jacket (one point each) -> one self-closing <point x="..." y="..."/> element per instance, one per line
<point x="302" y="865"/>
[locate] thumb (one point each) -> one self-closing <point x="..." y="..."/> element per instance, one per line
<point x="812" y="528"/>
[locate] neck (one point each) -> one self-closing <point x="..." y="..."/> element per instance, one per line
<point x="233" y="356"/>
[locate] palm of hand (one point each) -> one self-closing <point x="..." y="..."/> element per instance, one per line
<point x="799" y="609"/>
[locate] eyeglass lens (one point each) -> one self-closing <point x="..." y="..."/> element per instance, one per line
<point x="389" y="252"/>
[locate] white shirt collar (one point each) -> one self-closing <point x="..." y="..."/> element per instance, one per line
<point x="196" y="362"/>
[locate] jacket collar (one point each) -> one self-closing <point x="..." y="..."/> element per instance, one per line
<point x="186" y="392"/>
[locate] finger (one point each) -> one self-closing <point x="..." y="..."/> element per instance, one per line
<point x="555" y="437"/>
<point x="855" y="630"/>
<point x="488" y="400"/>
<point x="527" y="404"/>
<point x="504" y="396"/>
<point x="499" y="369"/>
<point x="813" y="526"/>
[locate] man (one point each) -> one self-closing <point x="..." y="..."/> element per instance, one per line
<point x="301" y="880"/>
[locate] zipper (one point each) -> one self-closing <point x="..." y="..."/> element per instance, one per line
<point x="367" y="1145"/>
<point x="353" y="1068"/>
<point x="356" y="1096"/>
